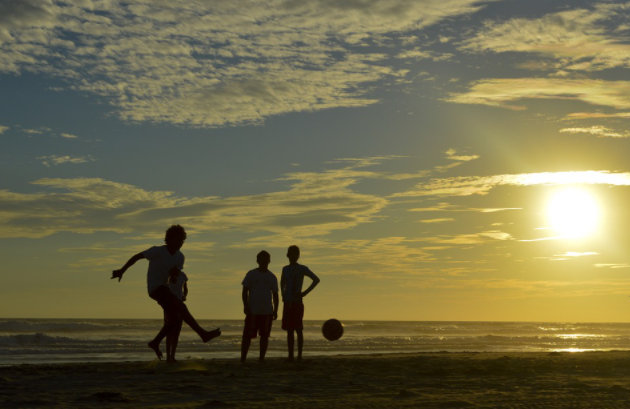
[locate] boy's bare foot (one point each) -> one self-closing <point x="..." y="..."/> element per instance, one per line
<point x="211" y="334"/>
<point x="156" y="348"/>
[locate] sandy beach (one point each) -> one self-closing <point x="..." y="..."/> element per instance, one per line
<point x="437" y="380"/>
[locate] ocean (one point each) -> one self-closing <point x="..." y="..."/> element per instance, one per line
<point x="37" y="341"/>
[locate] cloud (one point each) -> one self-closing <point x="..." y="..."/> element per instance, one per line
<point x="599" y="131"/>
<point x="576" y="40"/>
<point x="568" y="255"/>
<point x="439" y="220"/>
<point x="68" y="135"/>
<point x="315" y="204"/>
<point x="387" y="257"/>
<point x="452" y="155"/>
<point x="470" y="238"/>
<point x="35" y="131"/>
<point x="214" y="63"/>
<point x="3" y="129"/>
<point x="19" y="14"/>
<point x="54" y="160"/>
<point x="481" y="185"/>
<point x="504" y="92"/>
<point x="566" y="44"/>
<point x="418" y="54"/>
<point x="529" y="288"/>
<point x="354" y="163"/>
<point x="447" y="207"/>
<point x="577" y="254"/>
<point x="613" y="265"/>
<point x="597" y="115"/>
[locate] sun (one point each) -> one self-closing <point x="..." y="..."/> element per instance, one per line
<point x="573" y="213"/>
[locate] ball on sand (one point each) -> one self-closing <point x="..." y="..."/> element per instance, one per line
<point x="332" y="329"/>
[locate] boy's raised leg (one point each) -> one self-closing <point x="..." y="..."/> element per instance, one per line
<point x="192" y="323"/>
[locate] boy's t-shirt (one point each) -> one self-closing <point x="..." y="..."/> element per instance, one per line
<point x="292" y="280"/>
<point x="160" y="263"/>
<point x="261" y="286"/>
<point x="177" y="287"/>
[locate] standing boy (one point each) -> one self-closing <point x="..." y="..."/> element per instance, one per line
<point x="161" y="260"/>
<point x="292" y="295"/>
<point x="260" y="302"/>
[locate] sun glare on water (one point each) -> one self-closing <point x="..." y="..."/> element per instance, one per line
<point x="573" y="213"/>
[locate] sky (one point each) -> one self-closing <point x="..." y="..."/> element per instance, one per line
<point x="434" y="159"/>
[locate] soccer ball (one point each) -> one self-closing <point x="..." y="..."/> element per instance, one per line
<point x="332" y="329"/>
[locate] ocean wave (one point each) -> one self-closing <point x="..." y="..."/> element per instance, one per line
<point x="71" y="326"/>
<point x="37" y="340"/>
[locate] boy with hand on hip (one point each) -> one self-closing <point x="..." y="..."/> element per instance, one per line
<point x="293" y="312"/>
<point x="260" y="304"/>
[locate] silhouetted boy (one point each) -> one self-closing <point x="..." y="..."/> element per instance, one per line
<point x="293" y="311"/>
<point x="161" y="260"/>
<point x="260" y="302"/>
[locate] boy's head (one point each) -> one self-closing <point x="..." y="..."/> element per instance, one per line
<point x="175" y="236"/>
<point x="263" y="259"/>
<point x="293" y="253"/>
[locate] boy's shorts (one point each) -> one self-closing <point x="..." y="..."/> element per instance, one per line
<point x="167" y="300"/>
<point x="171" y="305"/>
<point x="292" y="315"/>
<point x="257" y="325"/>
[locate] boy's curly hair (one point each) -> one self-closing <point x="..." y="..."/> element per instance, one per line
<point x="175" y="232"/>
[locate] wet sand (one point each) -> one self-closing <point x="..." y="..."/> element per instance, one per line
<point x="437" y="380"/>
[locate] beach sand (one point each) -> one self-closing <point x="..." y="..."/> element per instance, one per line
<point x="428" y="380"/>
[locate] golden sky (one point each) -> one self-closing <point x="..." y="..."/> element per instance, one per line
<point x="434" y="160"/>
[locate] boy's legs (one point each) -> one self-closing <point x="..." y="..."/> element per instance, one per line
<point x="169" y="346"/>
<point x="290" y="343"/>
<point x="300" y="342"/>
<point x="174" y="307"/>
<point x="292" y="316"/>
<point x="174" y="340"/>
<point x="168" y="341"/>
<point x="254" y="325"/>
<point x="249" y="332"/>
<point x="264" y="343"/>
<point x="154" y="344"/>
<point x="264" y="327"/>
<point x="245" y="343"/>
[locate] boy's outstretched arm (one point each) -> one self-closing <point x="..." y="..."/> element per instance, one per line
<point x="313" y="284"/>
<point x="119" y="273"/>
